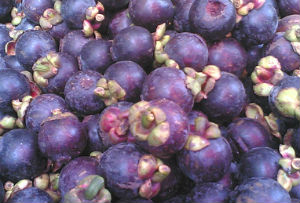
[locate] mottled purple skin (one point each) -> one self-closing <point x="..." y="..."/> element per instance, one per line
<point x="73" y="42"/>
<point x="178" y="123"/>
<point x="259" y="162"/>
<point x="73" y="12"/>
<point x="181" y="18"/>
<point x="2" y="63"/>
<point x="133" y="44"/>
<point x="130" y="76"/>
<point x="33" y="45"/>
<point x="95" y="55"/>
<point x="260" y="190"/>
<point x="2" y="192"/>
<point x="119" y="22"/>
<point x="68" y="66"/>
<point x="245" y="134"/>
<point x="285" y="83"/>
<point x="94" y="142"/>
<point x="295" y="192"/>
<point x="208" y="164"/>
<point x="5" y="8"/>
<point x="282" y="49"/>
<point x="20" y="157"/>
<point x="289" y="7"/>
<point x="13" y="63"/>
<point x="226" y="100"/>
<point x="295" y="142"/>
<point x="208" y="193"/>
<point x="188" y="50"/>
<point x="259" y="26"/>
<point x="254" y="54"/>
<point x="212" y="19"/>
<point x="79" y="93"/>
<point x="59" y="31"/>
<point x="287" y="22"/>
<point x="229" y="55"/>
<point x="75" y="171"/>
<point x="13" y="85"/>
<point x="121" y="177"/>
<point x="34" y="9"/>
<point x="41" y="108"/>
<point x="176" y="199"/>
<point x="168" y="83"/>
<point x="114" y="4"/>
<point x="4" y="38"/>
<point x="227" y="180"/>
<point x="62" y="139"/>
<point x="104" y="125"/>
<point x="138" y="200"/>
<point x="31" y="195"/>
<point x="151" y="13"/>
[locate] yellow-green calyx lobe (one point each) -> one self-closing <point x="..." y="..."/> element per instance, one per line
<point x="288" y="102"/>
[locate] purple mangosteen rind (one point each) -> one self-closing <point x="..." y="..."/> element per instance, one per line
<point x="159" y="126"/>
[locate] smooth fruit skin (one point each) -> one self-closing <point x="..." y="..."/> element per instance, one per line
<point x="287" y="22"/>
<point x="181" y="18"/>
<point x="4" y="38"/>
<point x="258" y="190"/>
<point x="289" y="7"/>
<point x="75" y="171"/>
<point x="34" y="9"/>
<point x="31" y="195"/>
<point x="79" y="92"/>
<point x="212" y="19"/>
<point x="20" y="157"/>
<point x="226" y="100"/>
<point x="168" y="83"/>
<point x="2" y="192"/>
<point x="296" y="141"/>
<point x="208" y="164"/>
<point x="5" y="8"/>
<point x="13" y="63"/>
<point x="229" y="55"/>
<point x="42" y="107"/>
<point x="119" y="21"/>
<point x="188" y="50"/>
<point x="114" y="4"/>
<point x="135" y="44"/>
<point x="138" y="200"/>
<point x="59" y="31"/>
<point x="151" y="13"/>
<point x="259" y="162"/>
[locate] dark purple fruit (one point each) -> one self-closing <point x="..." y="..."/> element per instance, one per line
<point x="151" y="13"/>
<point x="295" y="192"/>
<point x="59" y="31"/>
<point x="53" y="71"/>
<point x="5" y="8"/>
<point x="181" y="18"/>
<point x="119" y="22"/>
<point x="226" y="100"/>
<point x="94" y="142"/>
<point x="126" y="79"/>
<point x="13" y="85"/>
<point x="41" y="108"/>
<point x="138" y="200"/>
<point x="254" y="54"/>
<point x="13" y="63"/>
<point x="33" y="45"/>
<point x="212" y="19"/>
<point x="288" y="22"/>
<point x="129" y="173"/>
<point x="176" y="199"/>
<point x="114" y="4"/>
<point x="4" y="37"/>
<point x="188" y="50"/>
<point x="2" y="63"/>
<point x="2" y="192"/>
<point x="33" y="9"/>
<point x="75" y="171"/>
<point x="157" y="86"/>
<point x="208" y="193"/>
<point x="259" y="162"/>
<point x="295" y="141"/>
<point x="159" y="126"/>
<point x="245" y="134"/>
<point x="31" y="195"/>
<point x="259" y="190"/>
<point x="61" y="138"/>
<point x="114" y="124"/>
<point x="289" y="7"/>
<point x="20" y="157"/>
<point x="73" y="42"/>
<point x="95" y="55"/>
<point x="79" y="92"/>
<point x="133" y="44"/>
<point x="228" y="55"/>
<point x="206" y="156"/>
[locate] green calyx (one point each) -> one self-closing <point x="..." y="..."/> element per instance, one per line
<point x="243" y="7"/>
<point x="153" y="171"/>
<point x="20" y="108"/>
<point x="287" y="102"/>
<point x="109" y="91"/>
<point x="50" y="17"/>
<point x="293" y="35"/>
<point x="266" y="75"/>
<point x="16" y="16"/>
<point x="149" y="124"/>
<point x="93" y="19"/>
<point x="201" y="83"/>
<point x="94" y="187"/>
<point x="42" y="181"/>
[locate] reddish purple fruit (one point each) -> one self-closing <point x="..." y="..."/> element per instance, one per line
<point x="59" y="31"/>
<point x="229" y="55"/>
<point x="119" y="22"/>
<point x="289" y="7"/>
<point x="31" y="195"/>
<point x="288" y="22"/>
<point x="212" y="19"/>
<point x="181" y="18"/>
<point x="159" y="126"/>
<point x="34" y="9"/>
